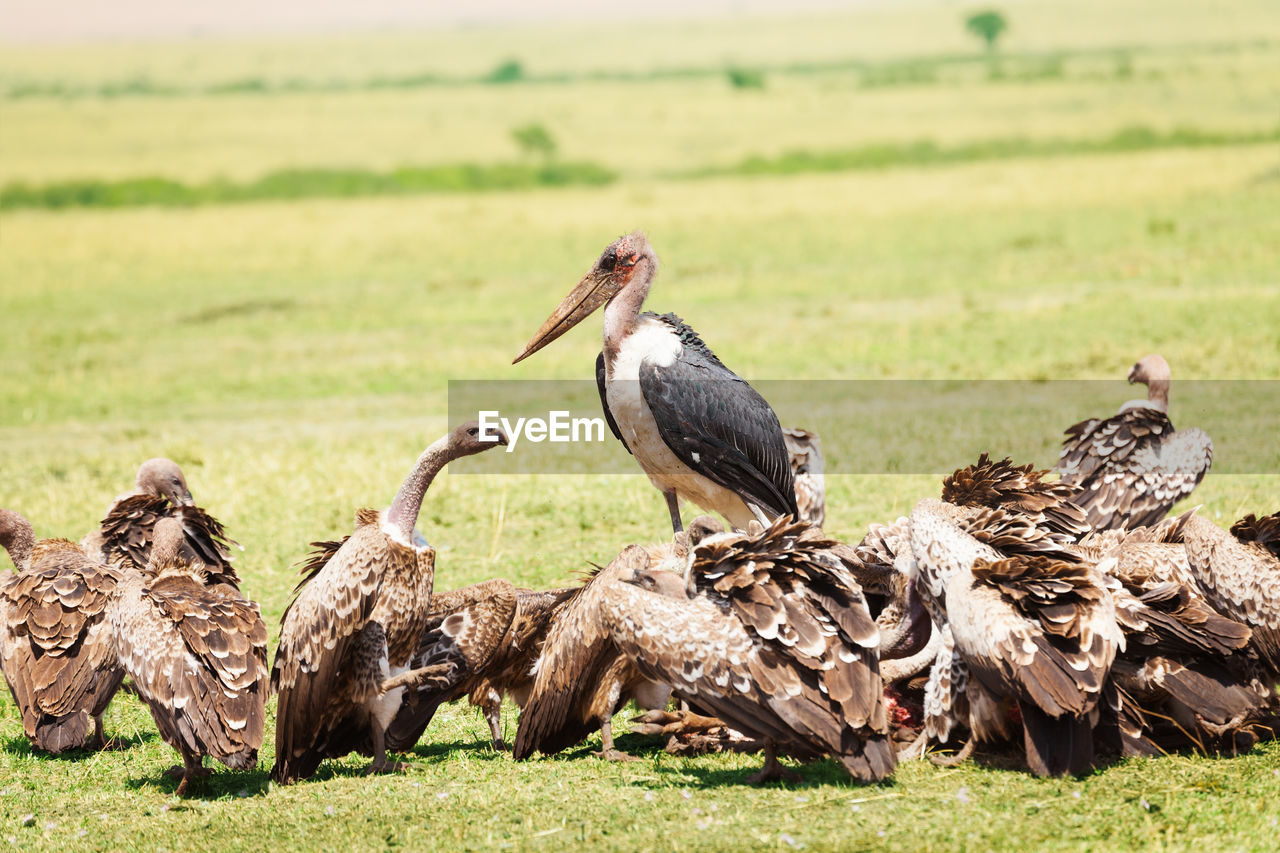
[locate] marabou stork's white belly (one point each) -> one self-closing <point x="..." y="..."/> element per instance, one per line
<point x="653" y="342"/>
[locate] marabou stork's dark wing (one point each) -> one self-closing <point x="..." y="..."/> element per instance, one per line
<point x="601" y="374"/>
<point x="718" y="425"/>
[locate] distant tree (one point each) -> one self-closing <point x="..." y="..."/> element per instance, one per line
<point x="534" y="140"/>
<point x="987" y="25"/>
<point x="509" y="71"/>
<point x="746" y="78"/>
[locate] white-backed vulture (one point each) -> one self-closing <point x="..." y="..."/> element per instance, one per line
<point x="196" y="651"/>
<point x="770" y="634"/>
<point x="348" y="638"/>
<point x="56" y="649"/>
<point x="1038" y="629"/>
<point x="494" y="633"/>
<point x="1239" y="573"/>
<point x="160" y="491"/>
<point x="1132" y="467"/>
<point x="805" y="450"/>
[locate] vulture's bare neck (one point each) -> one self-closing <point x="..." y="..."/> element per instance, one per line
<point x="408" y="501"/>
<point x="1158" y="393"/>
<point x="17" y="536"/>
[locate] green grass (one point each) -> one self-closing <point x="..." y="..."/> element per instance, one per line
<point x="293" y="354"/>
<point x="304" y="183"/>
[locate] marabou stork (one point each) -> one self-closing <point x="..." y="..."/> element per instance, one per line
<point x="697" y="430"/>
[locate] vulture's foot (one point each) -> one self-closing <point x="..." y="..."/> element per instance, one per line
<point x="190" y="770"/>
<point x="773" y="771"/>
<point x="385" y="765"/>
<point x="673" y="722"/>
<point x="612" y="754"/>
<point x="438" y="676"/>
<point x="957" y="759"/>
<point x="915" y="749"/>
<point x="177" y="771"/>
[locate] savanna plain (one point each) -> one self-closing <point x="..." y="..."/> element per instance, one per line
<point x="205" y="254"/>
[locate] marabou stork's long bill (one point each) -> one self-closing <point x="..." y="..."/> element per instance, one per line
<point x="698" y="430"/>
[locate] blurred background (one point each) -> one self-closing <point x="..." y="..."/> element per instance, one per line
<point x="263" y="238"/>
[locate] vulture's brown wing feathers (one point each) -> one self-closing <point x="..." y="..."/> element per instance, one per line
<point x="1065" y="672"/>
<point x="575" y="655"/>
<point x="1032" y="628"/>
<point x="319" y="629"/>
<point x="778" y="643"/>
<point x="129" y="530"/>
<point x="1020" y="490"/>
<point x="467" y="627"/>
<point x="59" y="656"/>
<point x="198" y="657"/>
<point x="1263" y="531"/>
<point x="1132" y="467"/>
<point x="1241" y="579"/>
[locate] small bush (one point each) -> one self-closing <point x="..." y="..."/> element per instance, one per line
<point x="510" y="71"/>
<point x="534" y="140"/>
<point x="746" y="78"/>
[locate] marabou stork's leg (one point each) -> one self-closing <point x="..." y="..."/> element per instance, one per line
<point x="673" y="507"/>
<point x="773" y="769"/>
<point x="606" y="744"/>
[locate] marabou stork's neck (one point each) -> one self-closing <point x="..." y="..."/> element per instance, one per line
<point x="408" y="501"/>
<point x="623" y="311"/>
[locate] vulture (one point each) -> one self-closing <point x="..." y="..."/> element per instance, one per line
<point x="805" y="450"/>
<point x="348" y="638"/>
<point x="1188" y="675"/>
<point x="56" y="648"/>
<point x="698" y="431"/>
<point x="581" y="678"/>
<point x="493" y="632"/>
<point x="196" y="651"/>
<point x="1239" y="574"/>
<point x="1132" y="467"/>
<point x="769" y="632"/>
<point x="160" y="491"/>
<point x="1032" y="626"/>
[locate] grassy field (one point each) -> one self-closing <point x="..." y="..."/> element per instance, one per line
<point x="294" y="356"/>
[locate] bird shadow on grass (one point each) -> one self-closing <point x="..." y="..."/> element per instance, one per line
<point x="819" y="774"/>
<point x="20" y="746"/>
<point x="221" y="783"/>
<point x="479" y="749"/>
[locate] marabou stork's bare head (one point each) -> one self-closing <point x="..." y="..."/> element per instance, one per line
<point x="1150" y="368"/>
<point x="626" y="260"/>
<point x="163" y="478"/>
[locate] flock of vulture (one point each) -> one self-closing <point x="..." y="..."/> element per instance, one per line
<point x="1065" y="618"/>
